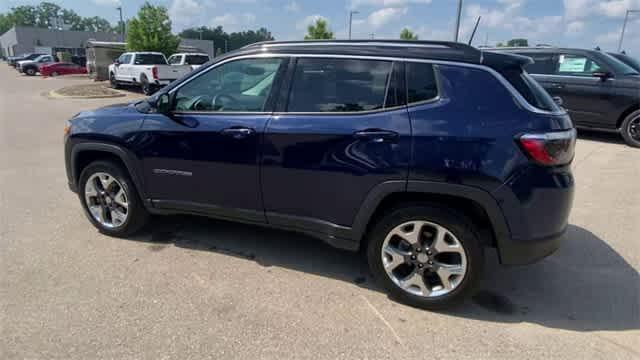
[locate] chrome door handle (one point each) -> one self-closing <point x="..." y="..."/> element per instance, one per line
<point x="238" y="132"/>
<point x="376" y="135"/>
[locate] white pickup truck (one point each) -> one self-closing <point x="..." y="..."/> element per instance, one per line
<point x="195" y="60"/>
<point x="149" y="70"/>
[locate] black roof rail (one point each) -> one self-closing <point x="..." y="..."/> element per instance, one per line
<point x="444" y="50"/>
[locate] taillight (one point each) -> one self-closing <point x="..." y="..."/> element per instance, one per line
<point x="154" y="72"/>
<point x="550" y="149"/>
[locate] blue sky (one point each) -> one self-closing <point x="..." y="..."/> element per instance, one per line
<point x="576" y="23"/>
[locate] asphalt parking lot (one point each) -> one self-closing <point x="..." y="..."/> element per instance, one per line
<point x="191" y="288"/>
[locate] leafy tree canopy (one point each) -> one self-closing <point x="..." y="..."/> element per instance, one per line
<point x="43" y="16"/>
<point x="234" y="40"/>
<point x="318" y="31"/>
<point x="518" y="42"/>
<point x="407" y="34"/>
<point x="150" y="30"/>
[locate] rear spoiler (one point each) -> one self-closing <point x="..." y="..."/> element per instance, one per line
<point x="500" y="61"/>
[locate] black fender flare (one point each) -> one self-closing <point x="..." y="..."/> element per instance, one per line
<point x="128" y="158"/>
<point x="381" y="191"/>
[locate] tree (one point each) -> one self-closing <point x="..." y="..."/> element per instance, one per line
<point x="518" y="42"/>
<point x="407" y="34"/>
<point x="150" y="30"/>
<point x="45" y="13"/>
<point x="319" y="30"/>
<point x="233" y="41"/>
<point x="5" y="23"/>
<point x="24" y="15"/>
<point x="499" y="44"/>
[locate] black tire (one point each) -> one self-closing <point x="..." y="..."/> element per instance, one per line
<point x="30" y="71"/>
<point x="137" y="216"/>
<point x="630" y="129"/>
<point x="453" y="221"/>
<point x="146" y="87"/>
<point x="113" y="81"/>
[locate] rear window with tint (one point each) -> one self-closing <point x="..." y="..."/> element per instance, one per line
<point x="196" y="59"/>
<point x="339" y="85"/>
<point x="535" y="94"/>
<point x="421" y="82"/>
<point x="149" y="59"/>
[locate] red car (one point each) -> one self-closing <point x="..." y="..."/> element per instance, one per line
<point x="61" y="68"/>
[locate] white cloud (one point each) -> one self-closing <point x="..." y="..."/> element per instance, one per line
<point x="292" y="6"/>
<point x="579" y="9"/>
<point x="575" y="27"/>
<point x="386" y="3"/>
<point x="186" y="13"/>
<point x="427" y="33"/>
<point x="232" y="22"/>
<point x="384" y="16"/>
<point x="112" y="3"/>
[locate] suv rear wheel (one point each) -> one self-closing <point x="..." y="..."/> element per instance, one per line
<point x="110" y="200"/>
<point x="426" y="256"/>
<point x="631" y="129"/>
<point x="30" y="71"/>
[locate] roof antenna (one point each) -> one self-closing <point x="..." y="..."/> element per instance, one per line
<point x="474" y="29"/>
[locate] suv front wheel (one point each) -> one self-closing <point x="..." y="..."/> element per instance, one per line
<point x="110" y="199"/>
<point x="426" y="256"/>
<point x="631" y="129"/>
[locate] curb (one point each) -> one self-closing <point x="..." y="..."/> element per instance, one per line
<point x="53" y="94"/>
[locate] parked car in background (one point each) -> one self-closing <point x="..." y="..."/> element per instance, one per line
<point x="422" y="153"/>
<point x="600" y="92"/>
<point x="14" y="60"/>
<point x="61" y="68"/>
<point x="149" y="70"/>
<point x="31" y="67"/>
<point x="634" y="63"/>
<point x="195" y="60"/>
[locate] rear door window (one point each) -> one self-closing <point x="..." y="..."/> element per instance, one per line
<point x="196" y="59"/>
<point x="150" y="59"/>
<point x="421" y="82"/>
<point x="339" y="85"/>
<point x="544" y="63"/>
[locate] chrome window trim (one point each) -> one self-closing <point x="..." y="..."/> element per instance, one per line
<point x="519" y="98"/>
<point x="595" y="79"/>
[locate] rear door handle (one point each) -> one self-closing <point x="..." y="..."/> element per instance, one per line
<point x="376" y="135"/>
<point x="237" y="132"/>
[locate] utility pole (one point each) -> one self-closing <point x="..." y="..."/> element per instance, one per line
<point x="351" y="13"/>
<point x="372" y="36"/>
<point x="455" y="37"/>
<point x="119" y="8"/>
<point x="200" y="31"/>
<point x="624" y="26"/>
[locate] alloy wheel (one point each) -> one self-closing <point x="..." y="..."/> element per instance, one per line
<point x="106" y="200"/>
<point x="424" y="259"/>
<point x="634" y="128"/>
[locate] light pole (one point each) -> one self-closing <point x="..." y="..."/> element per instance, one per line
<point x="455" y="37"/>
<point x="624" y="26"/>
<point x="119" y="8"/>
<point x="351" y="20"/>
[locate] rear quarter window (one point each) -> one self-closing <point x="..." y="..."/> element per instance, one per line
<point x="529" y="88"/>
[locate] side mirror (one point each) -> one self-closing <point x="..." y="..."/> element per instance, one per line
<point x="163" y="104"/>
<point x="603" y="75"/>
<point x="116" y="62"/>
<point x="558" y="100"/>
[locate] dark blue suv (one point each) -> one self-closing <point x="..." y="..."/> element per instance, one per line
<point x="420" y="153"/>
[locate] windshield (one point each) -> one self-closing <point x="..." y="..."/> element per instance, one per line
<point x="196" y="59"/>
<point x="150" y="59"/>
<point x="618" y="66"/>
<point x="628" y="60"/>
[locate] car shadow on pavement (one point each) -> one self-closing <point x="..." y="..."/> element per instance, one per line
<point x="585" y="286"/>
<point x="600" y="136"/>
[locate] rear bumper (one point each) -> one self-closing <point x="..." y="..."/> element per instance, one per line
<point x="162" y="82"/>
<point x="536" y="204"/>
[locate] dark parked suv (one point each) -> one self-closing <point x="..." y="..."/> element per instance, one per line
<point x="600" y="91"/>
<point x="421" y="153"/>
